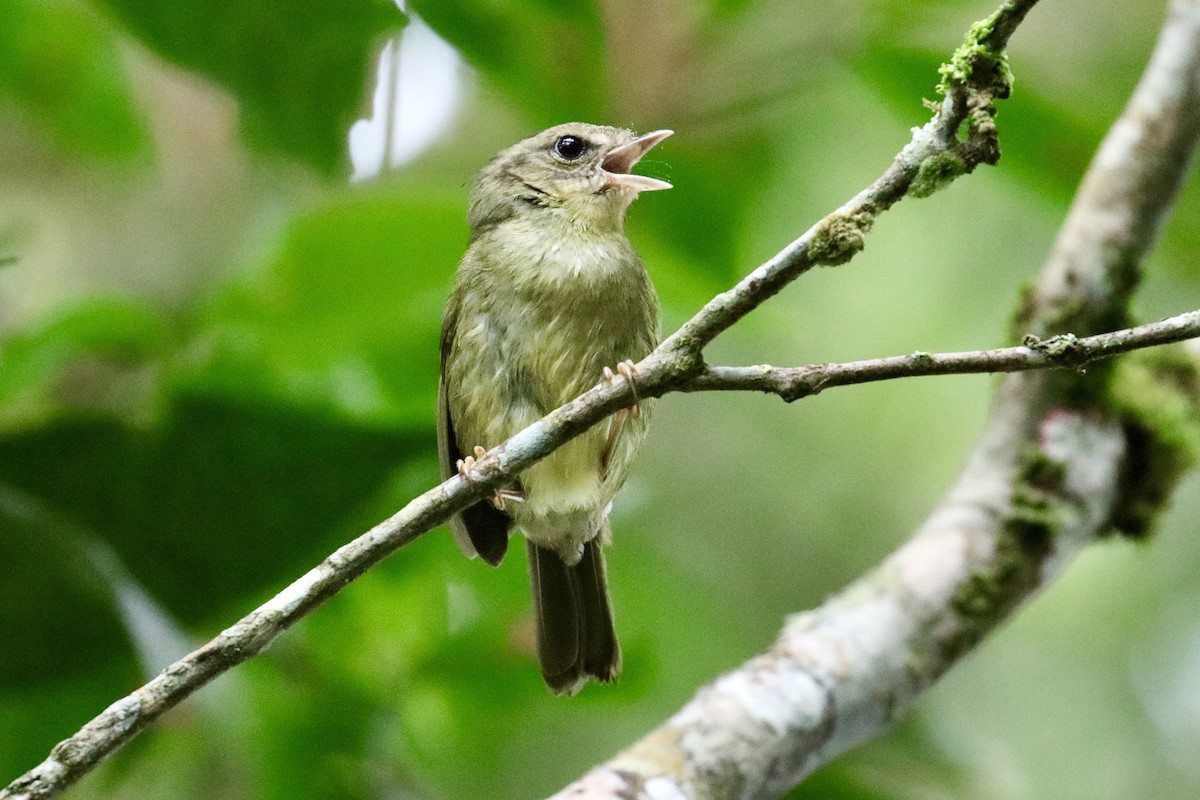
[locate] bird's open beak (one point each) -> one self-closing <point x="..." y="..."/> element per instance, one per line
<point x="616" y="165"/>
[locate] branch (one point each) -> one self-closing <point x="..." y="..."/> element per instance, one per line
<point x="844" y="672"/>
<point x="975" y="77"/>
<point x="960" y="136"/>
<point x="1063" y="351"/>
<point x="1057" y="467"/>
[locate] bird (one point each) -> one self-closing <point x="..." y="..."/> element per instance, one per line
<point x="549" y="297"/>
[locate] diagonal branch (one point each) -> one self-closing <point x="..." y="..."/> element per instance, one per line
<point x="1063" y="351"/>
<point x="976" y="75"/>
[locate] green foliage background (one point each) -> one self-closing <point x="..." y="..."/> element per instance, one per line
<point x="218" y="362"/>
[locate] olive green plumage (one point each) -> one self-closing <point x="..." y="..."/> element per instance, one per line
<point x="549" y="293"/>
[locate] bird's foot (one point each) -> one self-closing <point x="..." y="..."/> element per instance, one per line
<point x="500" y="497"/>
<point x="627" y="370"/>
<point x="465" y="465"/>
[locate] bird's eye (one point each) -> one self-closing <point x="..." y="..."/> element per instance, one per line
<point x="570" y="147"/>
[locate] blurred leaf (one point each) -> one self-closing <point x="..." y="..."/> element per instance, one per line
<point x="346" y="315"/>
<point x="218" y="500"/>
<point x="64" y="652"/>
<point x="834" y="783"/>
<point x="549" y="57"/>
<point x="307" y="729"/>
<point x="33" y="364"/>
<point x="299" y="69"/>
<point x="1179" y="239"/>
<point x="730" y="8"/>
<point x="60" y="65"/>
<point x="34" y="717"/>
<point x="57" y="616"/>
<point x="716" y="182"/>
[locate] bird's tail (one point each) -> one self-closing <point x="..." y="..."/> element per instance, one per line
<point x="575" y="635"/>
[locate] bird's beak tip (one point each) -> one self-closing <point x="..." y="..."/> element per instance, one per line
<point x="621" y="160"/>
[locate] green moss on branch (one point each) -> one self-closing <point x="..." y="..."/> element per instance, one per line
<point x="977" y="62"/>
<point x="839" y="237"/>
<point x="1157" y="395"/>
<point x="936" y="171"/>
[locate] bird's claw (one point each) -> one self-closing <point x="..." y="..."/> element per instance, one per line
<point x="500" y="497"/>
<point x="627" y="370"/>
<point x="465" y="465"/>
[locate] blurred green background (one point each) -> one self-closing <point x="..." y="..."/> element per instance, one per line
<point x="218" y="362"/>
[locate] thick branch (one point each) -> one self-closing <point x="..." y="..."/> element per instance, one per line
<point x="1064" y="350"/>
<point x="844" y="672"/>
<point x="1049" y="476"/>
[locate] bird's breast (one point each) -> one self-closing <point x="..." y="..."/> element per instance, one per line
<point x="537" y="326"/>
<point x="589" y="309"/>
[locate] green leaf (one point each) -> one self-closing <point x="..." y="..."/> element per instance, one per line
<point x="299" y="69"/>
<point x="218" y="500"/>
<point x="35" y="717"/>
<point x="61" y="67"/>
<point x="57" y="612"/>
<point x="35" y="362"/>
<point x="717" y="181"/>
<point x="834" y="783"/>
<point x="346" y="314"/>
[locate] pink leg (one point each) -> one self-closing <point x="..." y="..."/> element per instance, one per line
<point x="501" y="496"/>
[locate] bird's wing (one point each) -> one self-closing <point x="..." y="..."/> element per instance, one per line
<point x="480" y="529"/>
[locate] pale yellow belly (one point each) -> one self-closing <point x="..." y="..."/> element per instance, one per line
<point x="567" y="494"/>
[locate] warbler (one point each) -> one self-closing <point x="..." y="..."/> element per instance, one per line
<point x="548" y="299"/>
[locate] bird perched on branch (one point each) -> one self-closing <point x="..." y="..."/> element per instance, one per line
<point x="548" y="299"/>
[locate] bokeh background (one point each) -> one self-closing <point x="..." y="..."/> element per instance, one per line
<point x="218" y="363"/>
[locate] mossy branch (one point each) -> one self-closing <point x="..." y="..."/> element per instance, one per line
<point x="934" y="157"/>
<point x="1065" y="351"/>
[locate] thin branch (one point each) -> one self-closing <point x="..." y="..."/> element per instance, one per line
<point x="1063" y="351"/>
<point x="975" y="77"/>
<point x="972" y="81"/>
<point x="1051" y="473"/>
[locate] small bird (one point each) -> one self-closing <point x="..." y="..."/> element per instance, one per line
<point x="549" y="297"/>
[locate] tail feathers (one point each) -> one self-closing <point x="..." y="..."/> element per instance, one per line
<point x="575" y="636"/>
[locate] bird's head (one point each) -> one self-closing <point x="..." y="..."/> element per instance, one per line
<point x="578" y="171"/>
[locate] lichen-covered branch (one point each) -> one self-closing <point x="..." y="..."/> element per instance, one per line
<point x="960" y="136"/>
<point x="1065" y="351"/>
<point x="1066" y="457"/>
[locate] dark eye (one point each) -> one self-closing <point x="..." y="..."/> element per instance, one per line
<point x="570" y="147"/>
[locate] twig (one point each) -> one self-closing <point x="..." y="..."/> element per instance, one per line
<point x="975" y="77"/>
<point x="1063" y="351"/>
